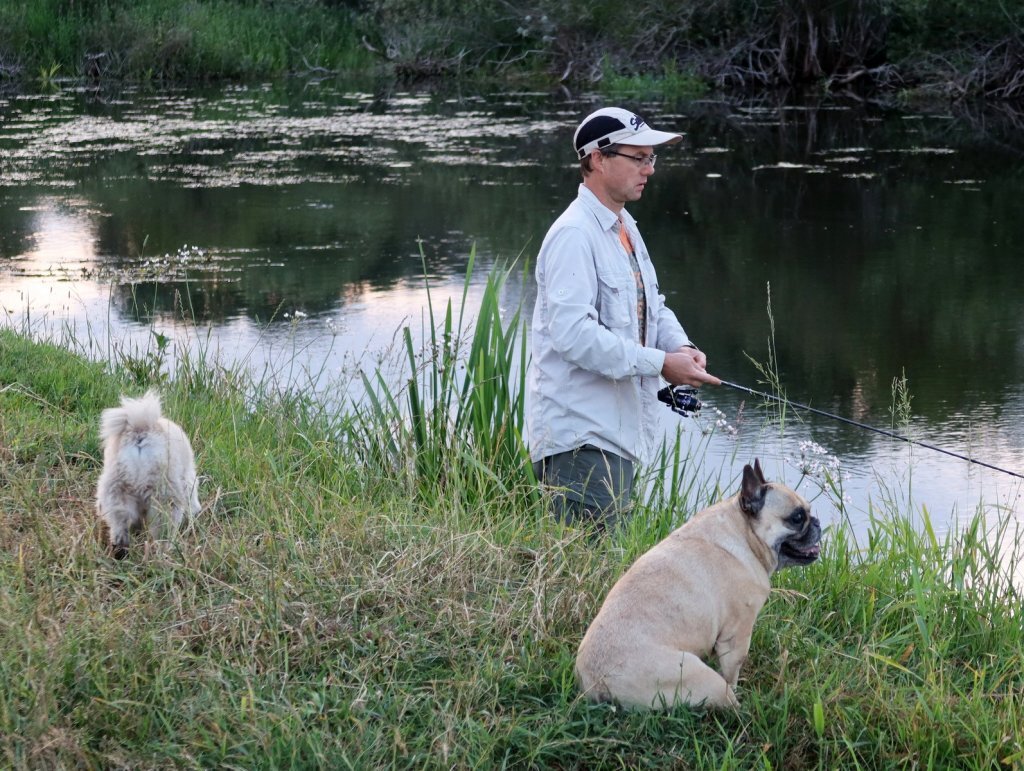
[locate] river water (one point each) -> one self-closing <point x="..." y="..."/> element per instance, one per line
<point x="843" y="246"/>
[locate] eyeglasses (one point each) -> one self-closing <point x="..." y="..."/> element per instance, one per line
<point x="639" y="160"/>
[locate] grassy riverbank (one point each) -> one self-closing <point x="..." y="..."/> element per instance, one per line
<point x="948" y="49"/>
<point x="326" y="612"/>
<point x="175" y="41"/>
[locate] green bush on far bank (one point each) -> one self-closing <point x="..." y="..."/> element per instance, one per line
<point x="948" y="48"/>
<point x="176" y="41"/>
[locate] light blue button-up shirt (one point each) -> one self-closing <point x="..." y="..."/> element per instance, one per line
<point x="590" y="380"/>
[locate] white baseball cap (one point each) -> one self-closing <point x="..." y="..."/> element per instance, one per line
<point x="615" y="126"/>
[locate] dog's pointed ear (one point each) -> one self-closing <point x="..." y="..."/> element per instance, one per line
<point x="753" y="489"/>
<point x="757" y="470"/>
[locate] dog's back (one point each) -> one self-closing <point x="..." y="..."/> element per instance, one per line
<point x="139" y="415"/>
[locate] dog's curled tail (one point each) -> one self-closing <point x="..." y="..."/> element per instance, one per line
<point x="139" y="414"/>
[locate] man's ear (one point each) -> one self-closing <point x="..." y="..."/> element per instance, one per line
<point x="753" y="489"/>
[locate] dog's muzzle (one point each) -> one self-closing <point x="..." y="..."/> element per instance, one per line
<point x="803" y="549"/>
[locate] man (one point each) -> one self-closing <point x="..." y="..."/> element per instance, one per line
<point x="602" y="336"/>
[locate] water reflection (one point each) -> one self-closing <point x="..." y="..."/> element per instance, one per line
<point x="290" y="228"/>
<point x="61" y="238"/>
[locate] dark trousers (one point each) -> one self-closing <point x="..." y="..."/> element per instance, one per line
<point x="589" y="487"/>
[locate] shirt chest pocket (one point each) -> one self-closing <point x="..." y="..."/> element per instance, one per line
<point x="616" y="295"/>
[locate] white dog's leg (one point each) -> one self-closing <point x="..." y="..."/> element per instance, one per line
<point x="158" y="527"/>
<point x="176" y="515"/>
<point x="119" y="542"/>
<point x="120" y="520"/>
<point x="155" y="525"/>
<point x="165" y="518"/>
<point x="193" y="504"/>
<point x="166" y="522"/>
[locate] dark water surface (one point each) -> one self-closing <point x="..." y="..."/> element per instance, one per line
<point x="850" y="245"/>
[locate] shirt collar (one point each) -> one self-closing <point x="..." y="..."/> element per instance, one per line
<point x="606" y="218"/>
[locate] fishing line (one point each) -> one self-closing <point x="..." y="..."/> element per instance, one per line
<point x="683" y="400"/>
<point x="865" y="426"/>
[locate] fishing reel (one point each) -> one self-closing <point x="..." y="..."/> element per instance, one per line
<point x="682" y="399"/>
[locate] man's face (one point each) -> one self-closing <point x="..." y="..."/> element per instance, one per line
<point x="624" y="172"/>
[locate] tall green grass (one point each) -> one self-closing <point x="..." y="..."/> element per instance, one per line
<point x="342" y="603"/>
<point x="459" y="416"/>
<point x="174" y="41"/>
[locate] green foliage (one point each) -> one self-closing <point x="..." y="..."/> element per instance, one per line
<point x="319" y="616"/>
<point x="48" y="75"/>
<point x="736" y="43"/>
<point x="464" y="432"/>
<point x="674" y="45"/>
<point x="669" y="83"/>
<point x="945" y="24"/>
<point x="58" y="398"/>
<point x="146" y="367"/>
<point x="901" y="398"/>
<point x="180" y="40"/>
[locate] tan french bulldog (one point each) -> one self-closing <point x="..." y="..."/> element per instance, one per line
<point x="695" y="593"/>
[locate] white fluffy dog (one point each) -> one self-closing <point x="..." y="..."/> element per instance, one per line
<point x="149" y="472"/>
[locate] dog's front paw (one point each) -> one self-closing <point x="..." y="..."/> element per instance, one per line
<point x="118" y="547"/>
<point x="730" y="698"/>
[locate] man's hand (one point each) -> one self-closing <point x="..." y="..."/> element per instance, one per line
<point x="686" y="366"/>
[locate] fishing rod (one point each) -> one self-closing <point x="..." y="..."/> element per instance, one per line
<point x="683" y="399"/>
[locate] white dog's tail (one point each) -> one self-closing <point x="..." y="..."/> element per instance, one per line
<point x="139" y="414"/>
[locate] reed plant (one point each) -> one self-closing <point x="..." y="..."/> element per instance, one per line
<point x="334" y="606"/>
<point x="459" y="416"/>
